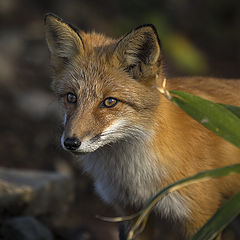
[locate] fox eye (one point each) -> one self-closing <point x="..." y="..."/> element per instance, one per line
<point x="71" y="98"/>
<point x="109" y="102"/>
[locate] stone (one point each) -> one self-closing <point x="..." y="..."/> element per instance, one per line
<point x="34" y="192"/>
<point x="25" y="228"/>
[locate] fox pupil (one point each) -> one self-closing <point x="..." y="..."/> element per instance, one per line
<point x="71" y="98"/>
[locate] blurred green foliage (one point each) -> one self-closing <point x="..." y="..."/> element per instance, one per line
<point x="198" y="37"/>
<point x="186" y="27"/>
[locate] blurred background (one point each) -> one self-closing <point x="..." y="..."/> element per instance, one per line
<point x="198" y="38"/>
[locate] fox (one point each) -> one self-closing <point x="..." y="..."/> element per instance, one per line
<point x="129" y="138"/>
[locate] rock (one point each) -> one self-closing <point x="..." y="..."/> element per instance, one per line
<point x="34" y="192"/>
<point x="25" y="228"/>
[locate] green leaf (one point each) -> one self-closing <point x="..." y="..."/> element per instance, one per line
<point x="220" y="220"/>
<point x="235" y="110"/>
<point x="221" y="119"/>
<point x="200" y="177"/>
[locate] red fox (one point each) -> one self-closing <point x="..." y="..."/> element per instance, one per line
<point x="130" y="138"/>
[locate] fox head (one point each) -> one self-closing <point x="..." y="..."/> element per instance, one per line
<point x="106" y="86"/>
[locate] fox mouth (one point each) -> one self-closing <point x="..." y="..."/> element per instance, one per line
<point x="118" y="130"/>
<point x="76" y="153"/>
<point x="76" y="147"/>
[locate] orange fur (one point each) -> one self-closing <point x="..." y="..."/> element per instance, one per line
<point x="144" y="142"/>
<point x="189" y="148"/>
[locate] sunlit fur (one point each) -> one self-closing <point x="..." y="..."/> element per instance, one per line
<point x="144" y="142"/>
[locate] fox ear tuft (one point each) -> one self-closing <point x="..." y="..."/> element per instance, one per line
<point x="139" y="48"/>
<point x="62" y="39"/>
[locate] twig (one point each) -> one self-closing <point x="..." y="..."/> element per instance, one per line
<point x="164" y="91"/>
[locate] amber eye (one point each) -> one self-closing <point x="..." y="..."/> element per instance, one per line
<point x="109" y="102"/>
<point x="71" y="98"/>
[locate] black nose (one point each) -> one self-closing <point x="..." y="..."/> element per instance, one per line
<point x="72" y="143"/>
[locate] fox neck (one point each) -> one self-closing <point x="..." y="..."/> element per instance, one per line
<point x="125" y="166"/>
<point x="127" y="173"/>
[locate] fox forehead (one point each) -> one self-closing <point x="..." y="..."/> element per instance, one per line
<point x="91" y="77"/>
<point x="95" y="41"/>
<point x="93" y="82"/>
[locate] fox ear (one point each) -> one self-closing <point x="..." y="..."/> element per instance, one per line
<point x="139" y="50"/>
<point x="62" y="39"/>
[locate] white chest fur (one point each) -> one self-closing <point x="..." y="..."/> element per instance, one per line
<point x="125" y="173"/>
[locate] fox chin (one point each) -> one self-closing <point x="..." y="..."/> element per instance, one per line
<point x="131" y="139"/>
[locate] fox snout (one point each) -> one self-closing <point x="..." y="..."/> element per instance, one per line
<point x="71" y="144"/>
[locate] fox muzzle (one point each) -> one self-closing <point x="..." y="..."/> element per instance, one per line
<point x="72" y="144"/>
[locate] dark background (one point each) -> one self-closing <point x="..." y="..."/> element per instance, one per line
<point x="198" y="38"/>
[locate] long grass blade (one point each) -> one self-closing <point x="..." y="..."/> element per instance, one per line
<point x="220" y="220"/>
<point x="200" y="177"/>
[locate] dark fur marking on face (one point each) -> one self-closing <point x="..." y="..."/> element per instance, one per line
<point x="96" y="137"/>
